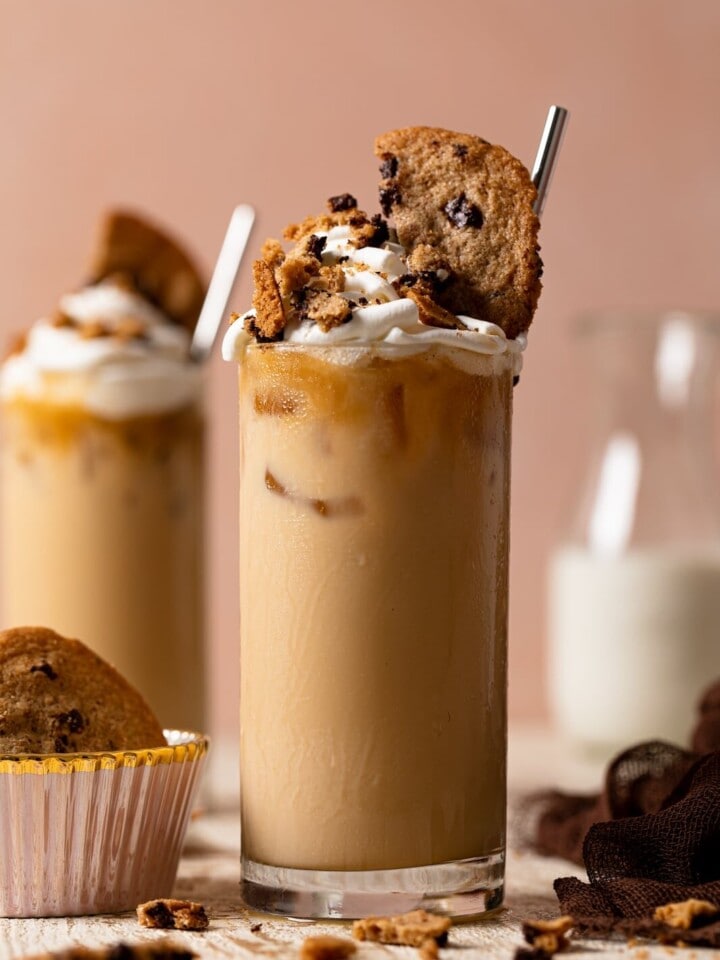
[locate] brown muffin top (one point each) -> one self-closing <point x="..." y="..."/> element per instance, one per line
<point x="464" y="205"/>
<point x="57" y="696"/>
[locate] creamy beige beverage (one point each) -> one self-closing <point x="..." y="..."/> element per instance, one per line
<point x="374" y="520"/>
<point x="376" y="370"/>
<point x="101" y="513"/>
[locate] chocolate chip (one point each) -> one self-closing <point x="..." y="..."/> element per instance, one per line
<point x="343" y="201"/>
<point x="460" y="150"/>
<point x="160" y="915"/>
<point x="73" y="720"/>
<point x="256" y="928"/>
<point x="253" y="329"/>
<point x="407" y="280"/>
<point x="44" y="668"/>
<point x="461" y="213"/>
<point x="316" y="245"/>
<point x="381" y="234"/>
<point x="363" y="301"/>
<point x="389" y="197"/>
<point x="389" y="167"/>
<point x="516" y="379"/>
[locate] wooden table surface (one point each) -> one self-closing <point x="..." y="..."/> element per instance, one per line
<point x="209" y="872"/>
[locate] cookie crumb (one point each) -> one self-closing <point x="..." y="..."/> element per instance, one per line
<point x="683" y="915"/>
<point x="168" y="914"/>
<point x="407" y="929"/>
<point x="326" y="948"/>
<point x="61" y="319"/>
<point x="270" y="317"/>
<point x="93" y="329"/>
<point x="546" y="938"/>
<point x="429" y="949"/>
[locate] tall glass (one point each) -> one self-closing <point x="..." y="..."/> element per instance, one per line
<point x="374" y="593"/>
<point x="101" y="536"/>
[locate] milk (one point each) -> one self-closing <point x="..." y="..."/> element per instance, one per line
<point x="634" y="640"/>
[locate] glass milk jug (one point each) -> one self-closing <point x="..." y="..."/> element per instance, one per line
<point x="634" y="586"/>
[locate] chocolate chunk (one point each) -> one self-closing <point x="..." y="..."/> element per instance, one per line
<point x="389" y="197"/>
<point x="460" y="150"/>
<point x="44" y="668"/>
<point x="343" y="201"/>
<point x="73" y="720"/>
<point x="316" y="245"/>
<point x="516" y="379"/>
<point x="160" y="915"/>
<point x="381" y="234"/>
<point x="389" y="167"/>
<point x="461" y="213"/>
<point x="256" y="928"/>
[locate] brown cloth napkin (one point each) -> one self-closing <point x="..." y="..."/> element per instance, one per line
<point x="651" y="837"/>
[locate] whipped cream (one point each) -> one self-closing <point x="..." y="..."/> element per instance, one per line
<point x="111" y="377"/>
<point x="386" y="317"/>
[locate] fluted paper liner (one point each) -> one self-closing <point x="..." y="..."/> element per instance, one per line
<point x="94" y="833"/>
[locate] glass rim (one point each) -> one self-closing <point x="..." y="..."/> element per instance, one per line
<point x="382" y="346"/>
<point x="614" y="320"/>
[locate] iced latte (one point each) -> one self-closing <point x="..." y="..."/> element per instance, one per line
<point x="102" y="471"/>
<point x="374" y="510"/>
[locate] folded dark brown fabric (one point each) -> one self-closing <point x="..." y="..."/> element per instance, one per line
<point x="650" y="838"/>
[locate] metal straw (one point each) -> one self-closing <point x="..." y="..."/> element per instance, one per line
<point x="547" y="154"/>
<point x="222" y="282"/>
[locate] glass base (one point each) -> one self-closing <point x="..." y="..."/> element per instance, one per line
<point x="462" y="888"/>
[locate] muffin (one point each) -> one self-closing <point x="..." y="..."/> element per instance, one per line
<point x="57" y="696"/>
<point x="94" y="796"/>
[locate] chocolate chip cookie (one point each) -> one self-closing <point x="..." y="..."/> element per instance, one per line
<point x="135" y="251"/>
<point x="57" y="696"/>
<point x="464" y="206"/>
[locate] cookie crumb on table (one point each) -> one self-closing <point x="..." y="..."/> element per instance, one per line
<point x="408" y="929"/>
<point x="683" y="915"/>
<point x="168" y="914"/>
<point x="326" y="948"/>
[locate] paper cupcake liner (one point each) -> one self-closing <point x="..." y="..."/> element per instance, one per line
<point x="95" y="833"/>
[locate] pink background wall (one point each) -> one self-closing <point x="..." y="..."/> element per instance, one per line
<point x="185" y="107"/>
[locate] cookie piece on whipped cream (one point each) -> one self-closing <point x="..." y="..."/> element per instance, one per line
<point x="458" y="201"/>
<point x="300" y="286"/>
<point x="136" y="252"/>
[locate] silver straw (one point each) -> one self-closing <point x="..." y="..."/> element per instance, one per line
<point x="222" y="282"/>
<point x="547" y="154"/>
